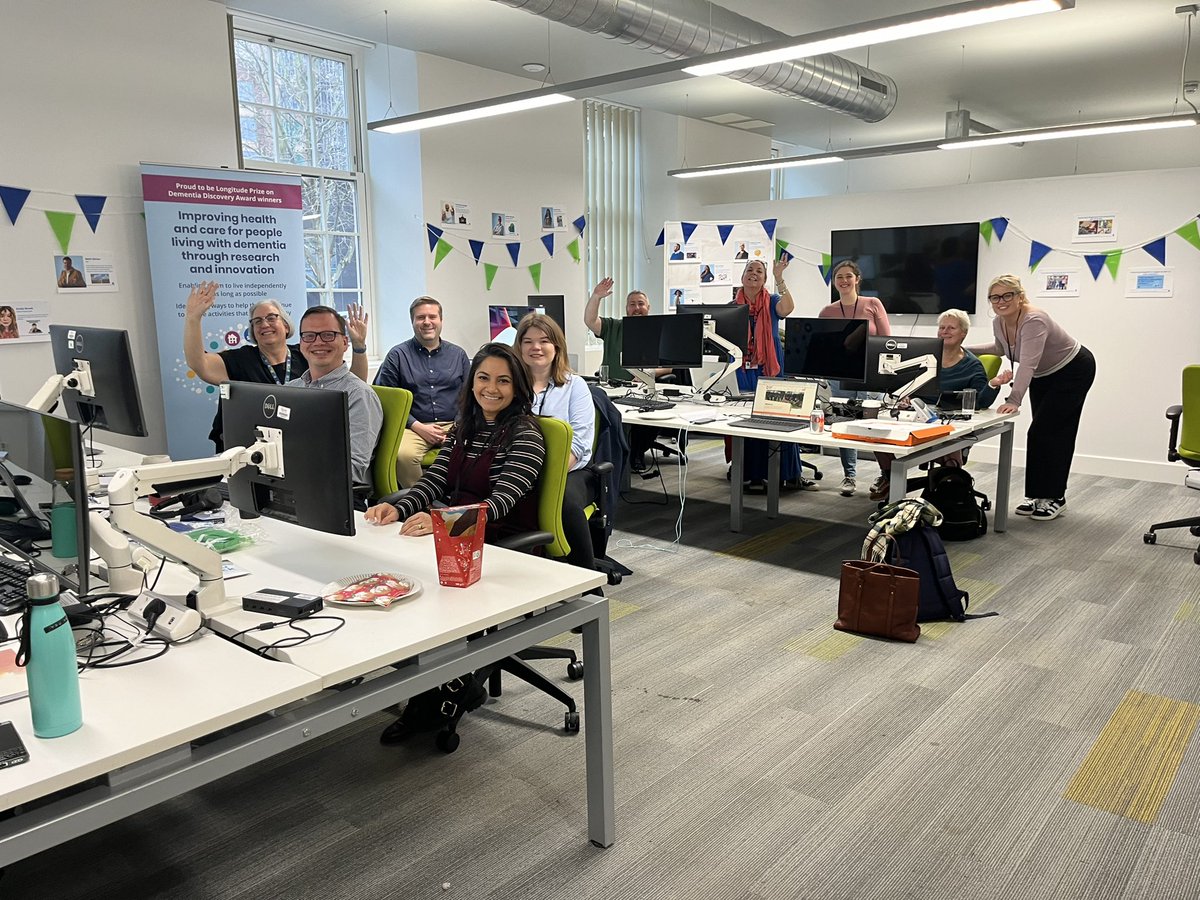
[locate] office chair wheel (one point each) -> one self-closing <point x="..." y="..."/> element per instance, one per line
<point x="575" y="670"/>
<point x="571" y="722"/>
<point x="615" y="577"/>
<point x="1149" y="537"/>
<point x="1196" y="557"/>
<point x="1195" y="530"/>
<point x="447" y="741"/>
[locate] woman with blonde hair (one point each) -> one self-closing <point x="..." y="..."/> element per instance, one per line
<point x="1057" y="371"/>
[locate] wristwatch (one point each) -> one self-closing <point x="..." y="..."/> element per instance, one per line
<point x="359" y="349"/>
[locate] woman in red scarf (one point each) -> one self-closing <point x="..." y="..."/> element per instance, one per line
<point x="764" y="356"/>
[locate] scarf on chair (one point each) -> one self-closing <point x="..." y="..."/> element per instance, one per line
<point x="761" y="349"/>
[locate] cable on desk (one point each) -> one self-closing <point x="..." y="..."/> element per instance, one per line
<point x="290" y="640"/>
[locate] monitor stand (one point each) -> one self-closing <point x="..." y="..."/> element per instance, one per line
<point x="646" y="380"/>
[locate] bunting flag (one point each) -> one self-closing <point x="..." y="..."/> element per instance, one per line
<point x="573" y="249"/>
<point x="662" y="236"/>
<point x="688" y="228"/>
<point x="13" y="199"/>
<point x="1158" y="249"/>
<point x="548" y="240"/>
<point x="985" y="228"/>
<point x="1095" y="262"/>
<point x="1113" y="262"/>
<point x="826" y="267"/>
<point x="724" y="231"/>
<point x="91" y="205"/>
<point x="580" y="224"/>
<point x="769" y="227"/>
<point x="442" y="251"/>
<point x="1000" y="225"/>
<point x="780" y="246"/>
<point x="62" y="224"/>
<point x="514" y="250"/>
<point x="489" y="273"/>
<point x="476" y="248"/>
<point x="1190" y="233"/>
<point x="535" y="272"/>
<point x="1037" y="252"/>
<point x="435" y="235"/>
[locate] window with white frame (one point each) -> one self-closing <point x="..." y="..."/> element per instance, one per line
<point x="297" y="113"/>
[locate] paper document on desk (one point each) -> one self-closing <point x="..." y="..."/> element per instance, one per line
<point x="13" y="685"/>
<point x="903" y="434"/>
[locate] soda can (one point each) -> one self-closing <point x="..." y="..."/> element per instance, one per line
<point x="816" y="421"/>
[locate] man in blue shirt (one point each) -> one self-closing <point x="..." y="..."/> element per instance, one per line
<point x="434" y="370"/>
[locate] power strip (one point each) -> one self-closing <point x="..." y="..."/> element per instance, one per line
<point x="174" y="623"/>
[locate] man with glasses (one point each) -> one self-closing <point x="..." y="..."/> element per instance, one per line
<point x="323" y="342"/>
<point x="265" y="357"/>
<point x="434" y="371"/>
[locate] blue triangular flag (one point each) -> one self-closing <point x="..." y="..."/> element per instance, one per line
<point x="514" y="250"/>
<point x="580" y="224"/>
<point x="435" y="235"/>
<point x="1096" y="262"/>
<point x="688" y="228"/>
<point x="769" y="227"/>
<point x="1037" y="252"/>
<point x="476" y="249"/>
<point x="548" y="240"/>
<point x="783" y="254"/>
<point x="724" y="231"/>
<point x="661" y="237"/>
<point x="1000" y="225"/>
<point x="826" y="273"/>
<point x="91" y="206"/>
<point x="1158" y="249"/>
<point x="14" y="199"/>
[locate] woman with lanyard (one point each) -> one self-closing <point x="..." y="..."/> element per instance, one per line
<point x="561" y="394"/>
<point x="764" y="356"/>
<point x="1057" y="371"/>
<point x="267" y="358"/>
<point x="847" y="277"/>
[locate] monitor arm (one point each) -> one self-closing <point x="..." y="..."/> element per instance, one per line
<point x="645" y="379"/>
<point x="79" y="379"/>
<point x="711" y="338"/>
<point x="889" y="364"/>
<point x="128" y="485"/>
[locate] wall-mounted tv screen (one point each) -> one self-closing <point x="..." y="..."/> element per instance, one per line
<point x="914" y="269"/>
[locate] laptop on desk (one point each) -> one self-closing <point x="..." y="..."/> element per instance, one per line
<point x="780" y="404"/>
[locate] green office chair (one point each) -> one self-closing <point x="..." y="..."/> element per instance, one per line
<point x="1185" y="446"/>
<point x="396" y="405"/>
<point x="991" y="365"/>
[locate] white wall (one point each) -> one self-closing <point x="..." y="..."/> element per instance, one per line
<point x="1140" y="345"/>
<point x="91" y="90"/>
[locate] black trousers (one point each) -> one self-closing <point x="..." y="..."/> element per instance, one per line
<point x="579" y="494"/>
<point x="1056" y="402"/>
<point x="640" y="439"/>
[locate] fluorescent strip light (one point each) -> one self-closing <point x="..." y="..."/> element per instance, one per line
<point x="755" y="166"/>
<point x="932" y="21"/>
<point x="481" y="110"/>
<point x="1070" y="131"/>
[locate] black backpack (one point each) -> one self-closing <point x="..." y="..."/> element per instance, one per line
<point x="921" y="550"/>
<point x="964" y="510"/>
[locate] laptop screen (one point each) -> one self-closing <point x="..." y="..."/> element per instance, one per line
<point x="781" y="398"/>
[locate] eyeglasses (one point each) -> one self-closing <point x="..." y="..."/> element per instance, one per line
<point x="1005" y="297"/>
<point x="268" y="319"/>
<point x="327" y="337"/>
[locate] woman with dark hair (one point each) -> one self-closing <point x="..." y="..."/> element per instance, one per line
<point x="8" y="323"/>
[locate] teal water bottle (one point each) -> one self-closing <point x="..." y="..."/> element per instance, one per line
<point x="63" y="535"/>
<point x="48" y="655"/>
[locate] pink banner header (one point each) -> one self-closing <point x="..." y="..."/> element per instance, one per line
<point x="186" y="189"/>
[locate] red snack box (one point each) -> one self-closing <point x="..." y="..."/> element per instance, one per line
<point x="458" y="541"/>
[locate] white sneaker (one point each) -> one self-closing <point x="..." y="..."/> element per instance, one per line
<point x="1048" y="509"/>
<point x="848" y="486"/>
<point x="1026" y="508"/>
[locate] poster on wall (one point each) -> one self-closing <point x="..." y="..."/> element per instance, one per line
<point x="455" y="213"/>
<point x="243" y="230"/>
<point x="94" y="272"/>
<point x="552" y="219"/>
<point x="1095" y="229"/>
<point x="505" y="225"/>
<point x="1152" y="282"/>
<point x="1057" y="282"/>
<point x="24" y="322"/>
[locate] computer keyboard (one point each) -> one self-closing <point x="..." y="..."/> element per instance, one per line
<point x="768" y="424"/>
<point x="13" y="575"/>
<point x="643" y="403"/>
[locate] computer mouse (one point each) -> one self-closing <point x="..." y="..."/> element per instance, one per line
<point x="716" y="398"/>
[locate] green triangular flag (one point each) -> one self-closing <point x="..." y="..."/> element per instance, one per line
<point x="1189" y="232"/>
<point x="780" y="246"/>
<point x="573" y="249"/>
<point x="535" y="272"/>
<point x="1113" y="262"/>
<point x="489" y="272"/>
<point x="442" y="249"/>
<point x="826" y="261"/>
<point x="62" y="223"/>
<point x="985" y="228"/>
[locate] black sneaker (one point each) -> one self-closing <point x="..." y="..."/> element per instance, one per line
<point x="1045" y="510"/>
<point x="1026" y="508"/>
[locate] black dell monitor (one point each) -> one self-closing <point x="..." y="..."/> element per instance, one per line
<point x="731" y="320"/>
<point x="662" y="342"/>
<point x="825" y="348"/>
<point x="113" y="404"/>
<point x="900" y="349"/>
<point x="38" y="449"/>
<point x="317" y="489"/>
<point x="553" y="305"/>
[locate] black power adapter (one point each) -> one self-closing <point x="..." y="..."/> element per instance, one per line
<point x="288" y="604"/>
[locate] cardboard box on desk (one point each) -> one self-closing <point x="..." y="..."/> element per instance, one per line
<point x="878" y="431"/>
<point x="458" y="543"/>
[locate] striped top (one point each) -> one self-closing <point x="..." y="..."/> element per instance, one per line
<point x="515" y="470"/>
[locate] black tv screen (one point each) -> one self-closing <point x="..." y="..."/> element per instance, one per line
<point x="914" y="269"/>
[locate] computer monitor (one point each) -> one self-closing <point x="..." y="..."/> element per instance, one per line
<point x="114" y="404"/>
<point x="37" y="448"/>
<point x="503" y="321"/>
<point x="899" y="350"/>
<point x="732" y="320"/>
<point x="317" y="489"/>
<point x="825" y="348"/>
<point x="662" y="342"/>
<point x="553" y="305"/>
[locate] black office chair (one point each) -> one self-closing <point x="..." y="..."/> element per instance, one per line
<point x="1184" y="447"/>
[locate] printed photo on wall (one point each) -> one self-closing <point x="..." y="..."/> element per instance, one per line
<point x="505" y="225"/>
<point x="1095" y="229"/>
<point x="456" y="213"/>
<point x="722" y="273"/>
<point x="1155" y="282"/>
<point x="552" y="218"/>
<point x="93" y="272"/>
<point x="675" y="252"/>
<point x="691" y="255"/>
<point x="24" y="321"/>
<point x="1057" y="282"/>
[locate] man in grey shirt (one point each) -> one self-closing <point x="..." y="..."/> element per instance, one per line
<point x="323" y="342"/>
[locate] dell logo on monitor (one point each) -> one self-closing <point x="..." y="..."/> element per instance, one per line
<point x="892" y="345"/>
<point x="269" y="405"/>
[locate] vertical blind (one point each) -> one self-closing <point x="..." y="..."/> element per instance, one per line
<point x="611" y="173"/>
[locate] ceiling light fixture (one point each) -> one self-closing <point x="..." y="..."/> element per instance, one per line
<point x="534" y="67"/>
<point x="467" y="112"/>
<point x="878" y="31"/>
<point x="756" y="165"/>
<point x="1086" y="129"/>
